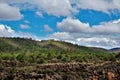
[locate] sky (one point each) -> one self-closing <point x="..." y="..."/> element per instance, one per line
<point x="83" y="22"/>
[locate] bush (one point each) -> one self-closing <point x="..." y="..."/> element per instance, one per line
<point x="112" y="58"/>
<point x="118" y="55"/>
<point x="1" y="66"/>
<point x="21" y="57"/>
<point x="40" y="61"/>
<point x="30" y="59"/>
<point x="8" y="56"/>
<point x="66" y="58"/>
<point x="59" y="56"/>
<point x="0" y="60"/>
<point x="50" y="56"/>
<point x="79" y="59"/>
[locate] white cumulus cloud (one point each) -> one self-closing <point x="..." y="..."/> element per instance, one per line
<point x="66" y="7"/>
<point x="8" y="12"/>
<point x="76" y="26"/>
<point x="97" y="42"/>
<point x="73" y="25"/>
<point x="105" y="34"/>
<point x="61" y="36"/>
<point x="105" y="6"/>
<point x="7" y="31"/>
<point x="91" y="40"/>
<point x="55" y="7"/>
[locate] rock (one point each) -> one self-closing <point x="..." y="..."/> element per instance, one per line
<point x="111" y="76"/>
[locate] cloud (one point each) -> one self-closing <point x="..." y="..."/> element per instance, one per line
<point x="26" y="35"/>
<point x="110" y="27"/>
<point x="47" y="28"/>
<point x="8" y="12"/>
<point x="7" y="31"/>
<point x="61" y="36"/>
<point x="39" y="14"/>
<point x="66" y="7"/>
<point x="103" y="42"/>
<point x="14" y="1"/>
<point x="55" y="7"/>
<point x="24" y="26"/>
<point x="105" y="34"/>
<point x="116" y="21"/>
<point x="76" y="26"/>
<point x="91" y="40"/>
<point x="26" y="21"/>
<point x="73" y="25"/>
<point x="105" y="6"/>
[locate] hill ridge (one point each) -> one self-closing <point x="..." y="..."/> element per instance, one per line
<point x="29" y="44"/>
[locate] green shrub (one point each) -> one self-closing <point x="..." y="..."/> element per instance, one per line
<point x="117" y="56"/>
<point x="1" y="66"/>
<point x="50" y="56"/>
<point x="31" y="59"/>
<point x="21" y="57"/>
<point x="39" y="55"/>
<point x="40" y="61"/>
<point x="0" y="60"/>
<point x="112" y="58"/>
<point x="7" y="56"/>
<point x="66" y="58"/>
<point x="59" y="56"/>
<point x="79" y="59"/>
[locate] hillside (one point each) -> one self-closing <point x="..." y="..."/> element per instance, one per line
<point x="21" y="44"/>
<point x="49" y="50"/>
<point x="115" y="50"/>
<point x="16" y="44"/>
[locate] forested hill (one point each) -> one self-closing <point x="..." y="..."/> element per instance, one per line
<point x="13" y="45"/>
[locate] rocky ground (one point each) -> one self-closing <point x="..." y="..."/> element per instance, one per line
<point x="60" y="71"/>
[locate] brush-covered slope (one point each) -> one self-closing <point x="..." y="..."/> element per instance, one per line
<point x="16" y="44"/>
<point x="69" y="46"/>
<point x="115" y="50"/>
<point x="22" y="44"/>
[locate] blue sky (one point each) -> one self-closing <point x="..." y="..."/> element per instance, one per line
<point x="82" y="22"/>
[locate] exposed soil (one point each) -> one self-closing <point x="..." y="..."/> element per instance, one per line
<point x="60" y="71"/>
